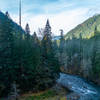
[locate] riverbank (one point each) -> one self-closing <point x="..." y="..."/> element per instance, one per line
<point x="81" y="89"/>
<point x="55" y="93"/>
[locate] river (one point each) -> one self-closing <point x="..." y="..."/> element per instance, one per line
<point x="86" y="90"/>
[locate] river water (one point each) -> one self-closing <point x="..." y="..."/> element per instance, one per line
<point x="86" y="90"/>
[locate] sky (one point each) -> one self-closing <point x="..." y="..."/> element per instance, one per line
<point x="62" y="14"/>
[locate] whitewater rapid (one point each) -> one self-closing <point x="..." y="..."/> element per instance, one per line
<point x="79" y="86"/>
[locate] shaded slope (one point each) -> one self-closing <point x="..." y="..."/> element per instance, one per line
<point x="16" y="27"/>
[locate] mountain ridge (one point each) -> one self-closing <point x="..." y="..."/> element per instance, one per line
<point x="86" y="29"/>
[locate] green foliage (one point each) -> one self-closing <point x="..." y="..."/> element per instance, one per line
<point x="24" y="59"/>
<point x="6" y="53"/>
<point x="45" y="95"/>
<point x="49" y="62"/>
<point x="96" y="55"/>
<point x="83" y="54"/>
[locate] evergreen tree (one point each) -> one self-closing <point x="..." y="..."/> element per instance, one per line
<point x="49" y="63"/>
<point x="26" y="60"/>
<point x="7" y="14"/>
<point x="6" y="53"/>
<point x="62" y="52"/>
<point x="35" y="38"/>
<point x="27" y="30"/>
<point x="47" y="30"/>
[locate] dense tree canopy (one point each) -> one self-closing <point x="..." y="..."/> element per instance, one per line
<point x="33" y="64"/>
<point x="25" y="60"/>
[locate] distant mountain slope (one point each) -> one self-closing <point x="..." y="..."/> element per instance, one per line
<point x="16" y="27"/>
<point x="86" y="29"/>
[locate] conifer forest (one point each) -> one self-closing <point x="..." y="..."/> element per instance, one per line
<point x="45" y="66"/>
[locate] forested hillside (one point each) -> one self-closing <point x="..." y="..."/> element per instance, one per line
<point x="86" y="29"/>
<point x="82" y="49"/>
<point x="26" y="63"/>
<point x="81" y="56"/>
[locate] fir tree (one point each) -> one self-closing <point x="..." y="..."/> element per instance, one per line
<point x="47" y="30"/>
<point x="27" y="30"/>
<point x="49" y="63"/>
<point x="7" y="14"/>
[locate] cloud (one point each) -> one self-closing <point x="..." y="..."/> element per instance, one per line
<point x="63" y="14"/>
<point x="65" y="20"/>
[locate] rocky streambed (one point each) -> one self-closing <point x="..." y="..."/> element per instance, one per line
<point x="81" y="89"/>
